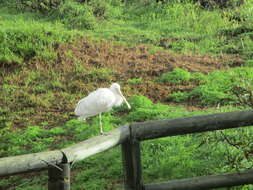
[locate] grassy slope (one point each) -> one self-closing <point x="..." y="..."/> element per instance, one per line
<point x="29" y="56"/>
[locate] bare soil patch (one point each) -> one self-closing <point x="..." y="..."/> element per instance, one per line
<point x="133" y="62"/>
<point x="47" y="91"/>
<point x="138" y="62"/>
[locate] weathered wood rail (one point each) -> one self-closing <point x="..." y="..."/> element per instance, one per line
<point x="129" y="136"/>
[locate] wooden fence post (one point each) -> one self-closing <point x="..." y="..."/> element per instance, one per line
<point x="53" y="177"/>
<point x="131" y="156"/>
<point x="59" y="177"/>
<point x="64" y="181"/>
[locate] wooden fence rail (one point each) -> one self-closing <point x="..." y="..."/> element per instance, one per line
<point x="200" y="183"/>
<point x="58" y="162"/>
<point x="194" y="124"/>
<point x="42" y="160"/>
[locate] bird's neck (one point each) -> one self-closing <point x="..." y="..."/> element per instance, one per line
<point x="114" y="91"/>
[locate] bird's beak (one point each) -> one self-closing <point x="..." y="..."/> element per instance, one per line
<point x="128" y="105"/>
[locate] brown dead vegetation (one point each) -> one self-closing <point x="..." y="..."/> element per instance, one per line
<point x="124" y="63"/>
<point x="133" y="62"/>
<point x="137" y="62"/>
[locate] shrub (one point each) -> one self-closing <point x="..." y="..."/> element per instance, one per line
<point x="139" y="101"/>
<point x="174" y="77"/>
<point x="42" y="6"/>
<point x="106" y="9"/>
<point x="144" y="114"/>
<point x="179" y="96"/>
<point x="100" y="8"/>
<point x="223" y="86"/>
<point x="76" y="15"/>
<point x="199" y="77"/>
<point x="219" y="3"/>
<point x="215" y="90"/>
<point x="22" y="40"/>
<point x="143" y="109"/>
<point x="211" y="95"/>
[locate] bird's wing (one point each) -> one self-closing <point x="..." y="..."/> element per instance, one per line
<point x="96" y="102"/>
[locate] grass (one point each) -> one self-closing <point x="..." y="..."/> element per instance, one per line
<point x="149" y="24"/>
<point x="131" y="23"/>
<point x="160" y="157"/>
<point x="23" y="39"/>
<point x="38" y="91"/>
<point x="224" y="87"/>
<point x="176" y="76"/>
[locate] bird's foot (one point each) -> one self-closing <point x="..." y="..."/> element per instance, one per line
<point x="104" y="133"/>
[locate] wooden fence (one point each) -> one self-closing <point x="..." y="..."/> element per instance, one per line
<point x="129" y="136"/>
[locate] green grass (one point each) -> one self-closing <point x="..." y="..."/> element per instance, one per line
<point x="75" y="15"/>
<point x="34" y="31"/>
<point x="149" y="24"/>
<point x="178" y="96"/>
<point x="181" y="27"/>
<point x="23" y="38"/>
<point x="176" y="76"/>
<point x="163" y="159"/>
<point x="178" y="27"/>
<point x="225" y="87"/>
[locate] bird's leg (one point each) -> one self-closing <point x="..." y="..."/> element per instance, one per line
<point x="100" y="124"/>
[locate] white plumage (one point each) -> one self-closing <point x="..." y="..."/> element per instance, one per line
<point x="99" y="101"/>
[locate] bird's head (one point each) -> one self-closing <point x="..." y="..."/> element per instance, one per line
<point x="116" y="88"/>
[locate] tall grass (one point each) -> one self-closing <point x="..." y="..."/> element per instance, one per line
<point x="180" y="27"/>
<point x="23" y="38"/>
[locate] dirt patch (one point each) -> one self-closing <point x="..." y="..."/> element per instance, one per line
<point x="48" y="91"/>
<point x="136" y="62"/>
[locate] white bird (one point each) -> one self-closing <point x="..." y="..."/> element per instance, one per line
<point x="99" y="101"/>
